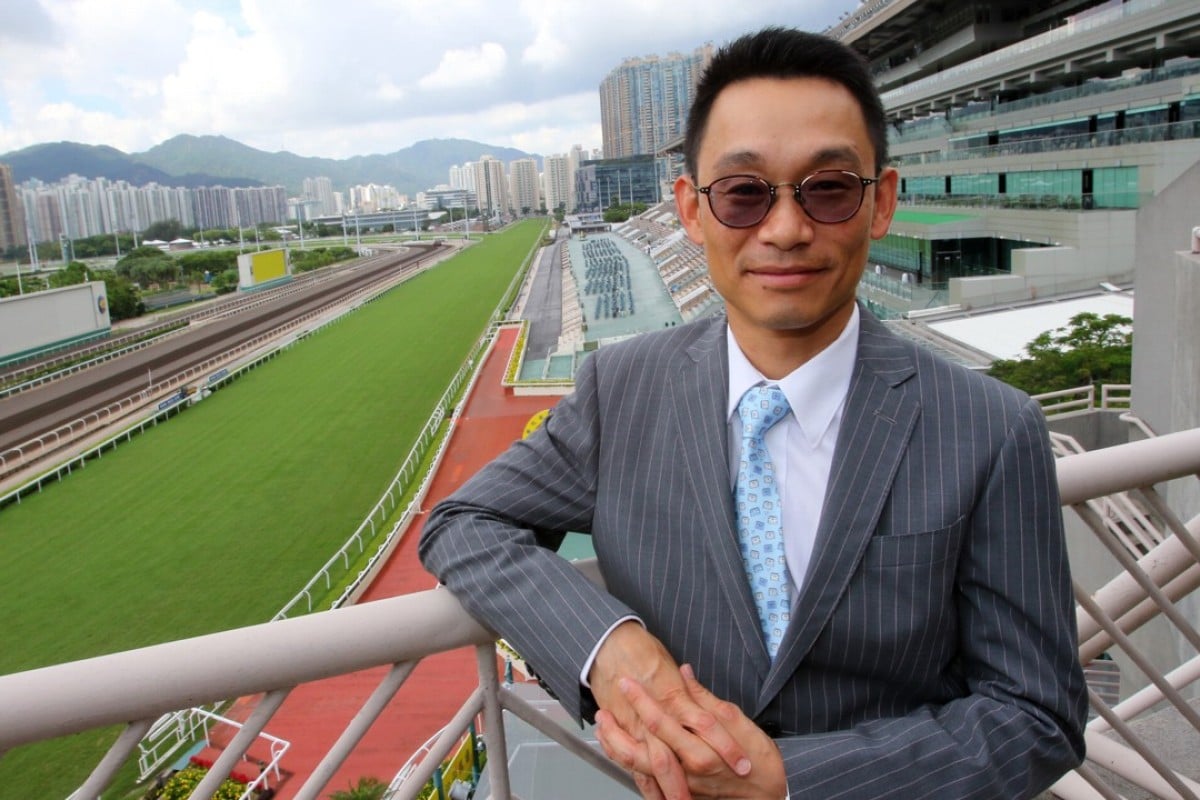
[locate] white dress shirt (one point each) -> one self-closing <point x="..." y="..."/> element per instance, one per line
<point x="801" y="444"/>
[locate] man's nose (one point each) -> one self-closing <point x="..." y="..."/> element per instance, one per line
<point x="787" y="224"/>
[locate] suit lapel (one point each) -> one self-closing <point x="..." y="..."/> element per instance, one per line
<point x="876" y="426"/>
<point x="699" y="395"/>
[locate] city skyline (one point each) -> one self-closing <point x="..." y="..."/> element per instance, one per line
<point x="373" y="79"/>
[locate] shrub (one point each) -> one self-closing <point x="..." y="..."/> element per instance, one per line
<point x="181" y="785"/>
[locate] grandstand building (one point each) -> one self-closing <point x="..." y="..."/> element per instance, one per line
<point x="1034" y="142"/>
<point x="606" y="182"/>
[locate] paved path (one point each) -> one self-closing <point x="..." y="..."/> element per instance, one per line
<point x="315" y="714"/>
<point x="543" y="308"/>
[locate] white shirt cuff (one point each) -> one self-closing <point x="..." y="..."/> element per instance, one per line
<point x="587" y="665"/>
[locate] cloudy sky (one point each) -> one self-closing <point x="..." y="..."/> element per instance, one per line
<point x="342" y="78"/>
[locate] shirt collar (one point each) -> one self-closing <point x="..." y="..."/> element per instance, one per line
<point x="818" y="386"/>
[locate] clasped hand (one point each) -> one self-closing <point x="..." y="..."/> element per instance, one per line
<point x="677" y="738"/>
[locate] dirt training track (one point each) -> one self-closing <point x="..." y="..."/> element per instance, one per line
<point x="27" y="415"/>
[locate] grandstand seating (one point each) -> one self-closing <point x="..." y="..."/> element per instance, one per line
<point x="679" y="261"/>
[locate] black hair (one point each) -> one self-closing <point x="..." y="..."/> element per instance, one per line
<point x="777" y="52"/>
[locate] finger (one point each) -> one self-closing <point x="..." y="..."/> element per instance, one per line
<point x="648" y="787"/>
<point x="667" y="771"/>
<point x="655" y="769"/>
<point x="698" y="737"/>
<point x="619" y="746"/>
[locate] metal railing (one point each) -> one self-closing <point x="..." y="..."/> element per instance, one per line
<point x="275" y="657"/>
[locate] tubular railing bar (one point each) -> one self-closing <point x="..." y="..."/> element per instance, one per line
<point x="1134" y="612"/>
<point x="1122" y="507"/>
<point x="493" y="720"/>
<point x="1156" y="503"/>
<point x="1127" y="769"/>
<point x="105" y="690"/>
<point x="1093" y="780"/>
<point x="237" y="747"/>
<point x="1169" y="565"/>
<point x="1146" y="698"/>
<point x="573" y="744"/>
<point x="113" y="760"/>
<point x="1131" y="566"/>
<point x="1115" y="469"/>
<point x="443" y="744"/>
<point x="352" y="735"/>
<point x="1139" y="423"/>
<point x="1135" y="655"/>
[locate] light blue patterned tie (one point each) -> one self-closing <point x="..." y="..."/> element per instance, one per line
<point x="756" y="496"/>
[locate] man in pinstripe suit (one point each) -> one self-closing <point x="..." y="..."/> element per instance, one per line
<point x="931" y="646"/>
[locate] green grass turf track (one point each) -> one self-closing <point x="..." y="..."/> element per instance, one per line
<point x="214" y="519"/>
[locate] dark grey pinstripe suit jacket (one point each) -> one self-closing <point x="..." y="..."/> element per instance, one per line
<point x="932" y="652"/>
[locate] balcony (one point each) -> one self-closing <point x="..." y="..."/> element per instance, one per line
<point x="1114" y="493"/>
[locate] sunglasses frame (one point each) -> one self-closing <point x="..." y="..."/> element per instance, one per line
<point x="797" y="195"/>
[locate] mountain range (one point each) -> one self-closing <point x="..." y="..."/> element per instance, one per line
<point x="187" y="160"/>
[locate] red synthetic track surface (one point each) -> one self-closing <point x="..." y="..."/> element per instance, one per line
<point x="315" y="714"/>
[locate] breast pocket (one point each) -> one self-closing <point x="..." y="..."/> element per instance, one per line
<point x="913" y="549"/>
<point x="898" y="610"/>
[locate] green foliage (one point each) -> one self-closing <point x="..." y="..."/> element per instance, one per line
<point x="367" y="788"/>
<point x="164" y="230"/>
<point x="195" y="264"/>
<point x="623" y="211"/>
<point x="147" y="265"/>
<point x="314" y="258"/>
<point x="225" y="282"/>
<point x="181" y="785"/>
<point x="1091" y="349"/>
<point x="70" y="275"/>
<point x="124" y="302"/>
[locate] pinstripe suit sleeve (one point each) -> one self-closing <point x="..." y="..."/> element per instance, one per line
<point x="485" y="543"/>
<point x="1017" y="722"/>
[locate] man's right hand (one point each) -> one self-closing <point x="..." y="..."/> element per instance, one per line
<point x="631" y="653"/>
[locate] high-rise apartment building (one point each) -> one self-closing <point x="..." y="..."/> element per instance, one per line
<point x="557" y="179"/>
<point x="524" y="193"/>
<point x="644" y="102"/>
<point x="463" y="177"/>
<point x="12" y="214"/>
<point x="320" y="192"/>
<point x="491" y="187"/>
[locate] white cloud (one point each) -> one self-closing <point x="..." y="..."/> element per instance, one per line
<point x="459" y="68"/>
<point x="371" y="76"/>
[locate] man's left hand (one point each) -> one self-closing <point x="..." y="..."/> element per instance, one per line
<point x="706" y="776"/>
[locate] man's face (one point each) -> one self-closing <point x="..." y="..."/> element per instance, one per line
<point x="788" y="275"/>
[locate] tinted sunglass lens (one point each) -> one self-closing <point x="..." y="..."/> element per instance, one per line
<point x="740" y="202"/>
<point x="831" y="196"/>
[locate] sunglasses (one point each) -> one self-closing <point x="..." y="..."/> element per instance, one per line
<point x="828" y="195"/>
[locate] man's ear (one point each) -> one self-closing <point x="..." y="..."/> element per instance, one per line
<point x="885" y="202"/>
<point x="687" y="205"/>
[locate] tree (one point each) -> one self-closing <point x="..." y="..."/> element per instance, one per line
<point x="164" y="230"/>
<point x="225" y="282"/>
<point x="1090" y="349"/>
<point x="123" y="299"/>
<point x="70" y="275"/>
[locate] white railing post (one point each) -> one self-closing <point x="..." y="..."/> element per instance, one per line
<point x="493" y="721"/>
